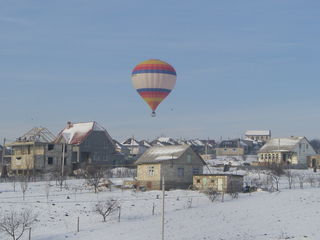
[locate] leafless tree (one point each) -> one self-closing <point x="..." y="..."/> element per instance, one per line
<point x="16" y="223"/>
<point x="47" y="190"/>
<point x="93" y="177"/>
<point x="311" y="179"/>
<point x="14" y="181"/>
<point x="290" y="177"/>
<point x="212" y="194"/>
<point x="106" y="208"/>
<point x="24" y="186"/>
<point x="301" y="178"/>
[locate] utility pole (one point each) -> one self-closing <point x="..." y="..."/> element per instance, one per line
<point x="162" y="216"/>
<point x="2" y="157"/>
<point x="62" y="163"/>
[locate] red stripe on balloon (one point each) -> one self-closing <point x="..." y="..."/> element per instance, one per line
<point x="154" y="67"/>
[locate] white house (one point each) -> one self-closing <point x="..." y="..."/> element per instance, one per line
<point x="258" y="135"/>
<point x="292" y="150"/>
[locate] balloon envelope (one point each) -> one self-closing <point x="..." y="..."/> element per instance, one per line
<point x="154" y="79"/>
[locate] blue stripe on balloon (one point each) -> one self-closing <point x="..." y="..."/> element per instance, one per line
<point x="154" y="71"/>
<point x="153" y="90"/>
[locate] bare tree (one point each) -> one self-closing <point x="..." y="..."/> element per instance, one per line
<point x="301" y="178"/>
<point x="24" y="186"/>
<point x="93" y="177"/>
<point x="311" y="180"/>
<point x="47" y="190"/>
<point x="106" y="208"/>
<point x="16" y="223"/>
<point x="290" y="177"/>
<point x="212" y="194"/>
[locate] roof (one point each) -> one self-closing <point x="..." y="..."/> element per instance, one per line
<point x="281" y="144"/>
<point x="130" y="142"/>
<point x="157" y="154"/>
<point x="36" y="134"/>
<point x="258" y="133"/>
<point x="76" y="133"/>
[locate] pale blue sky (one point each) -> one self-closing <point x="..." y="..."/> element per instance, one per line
<point x="240" y="65"/>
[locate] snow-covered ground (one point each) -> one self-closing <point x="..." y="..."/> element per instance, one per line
<point x="288" y="214"/>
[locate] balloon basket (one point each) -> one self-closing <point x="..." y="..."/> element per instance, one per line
<point x="153" y="114"/>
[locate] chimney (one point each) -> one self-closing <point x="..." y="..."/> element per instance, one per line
<point x="69" y="125"/>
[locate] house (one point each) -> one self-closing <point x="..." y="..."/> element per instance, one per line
<point x="258" y="135"/>
<point x="234" y="147"/>
<point x="292" y="150"/>
<point x="177" y="164"/>
<point x="90" y="144"/>
<point x="228" y="183"/>
<point x="36" y="152"/>
<point x="165" y="141"/>
<point x="134" y="146"/>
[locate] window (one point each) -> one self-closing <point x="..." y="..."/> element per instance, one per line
<point x="212" y="181"/>
<point x="151" y="171"/>
<point x="50" y="160"/>
<point x="189" y="158"/>
<point x="18" y="158"/>
<point x="198" y="180"/>
<point x="195" y="171"/>
<point x="180" y="172"/>
<point x="50" y="147"/>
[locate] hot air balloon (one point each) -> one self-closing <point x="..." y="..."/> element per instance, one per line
<point x="154" y="80"/>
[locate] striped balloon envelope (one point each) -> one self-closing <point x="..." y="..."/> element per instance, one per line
<point x="154" y="80"/>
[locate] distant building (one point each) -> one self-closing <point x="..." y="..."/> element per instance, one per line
<point x="35" y="152"/>
<point x="258" y="135"/>
<point x="177" y="164"/>
<point x="219" y="182"/>
<point x="90" y="144"/>
<point x="234" y="147"/>
<point x="135" y="147"/>
<point x="292" y="150"/>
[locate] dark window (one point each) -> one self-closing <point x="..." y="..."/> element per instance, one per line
<point x="195" y="171"/>
<point x="180" y="172"/>
<point x="65" y="161"/>
<point x="50" y="147"/>
<point x="50" y="160"/>
<point x="198" y="180"/>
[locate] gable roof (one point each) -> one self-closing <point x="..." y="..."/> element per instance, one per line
<point x="158" y="154"/>
<point x="130" y="142"/>
<point x="76" y="133"/>
<point x="281" y="144"/>
<point x="36" y="134"/>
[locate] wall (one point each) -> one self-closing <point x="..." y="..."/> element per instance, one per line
<point x="229" y="151"/>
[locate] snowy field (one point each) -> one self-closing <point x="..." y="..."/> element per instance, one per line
<point x="288" y="214"/>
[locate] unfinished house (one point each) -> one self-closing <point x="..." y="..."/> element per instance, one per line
<point x="177" y="164"/>
<point x="35" y="152"/>
<point x="228" y="183"/>
<point x="234" y="147"/>
<point x="90" y="144"/>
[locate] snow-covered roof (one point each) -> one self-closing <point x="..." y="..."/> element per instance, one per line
<point x="76" y="133"/>
<point x="145" y="143"/>
<point x="281" y="144"/>
<point x="162" y="153"/>
<point x="131" y="142"/>
<point x="166" y="140"/>
<point x="258" y="133"/>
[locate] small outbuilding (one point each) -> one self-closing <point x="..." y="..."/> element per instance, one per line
<point x="219" y="182"/>
<point x="177" y="164"/>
